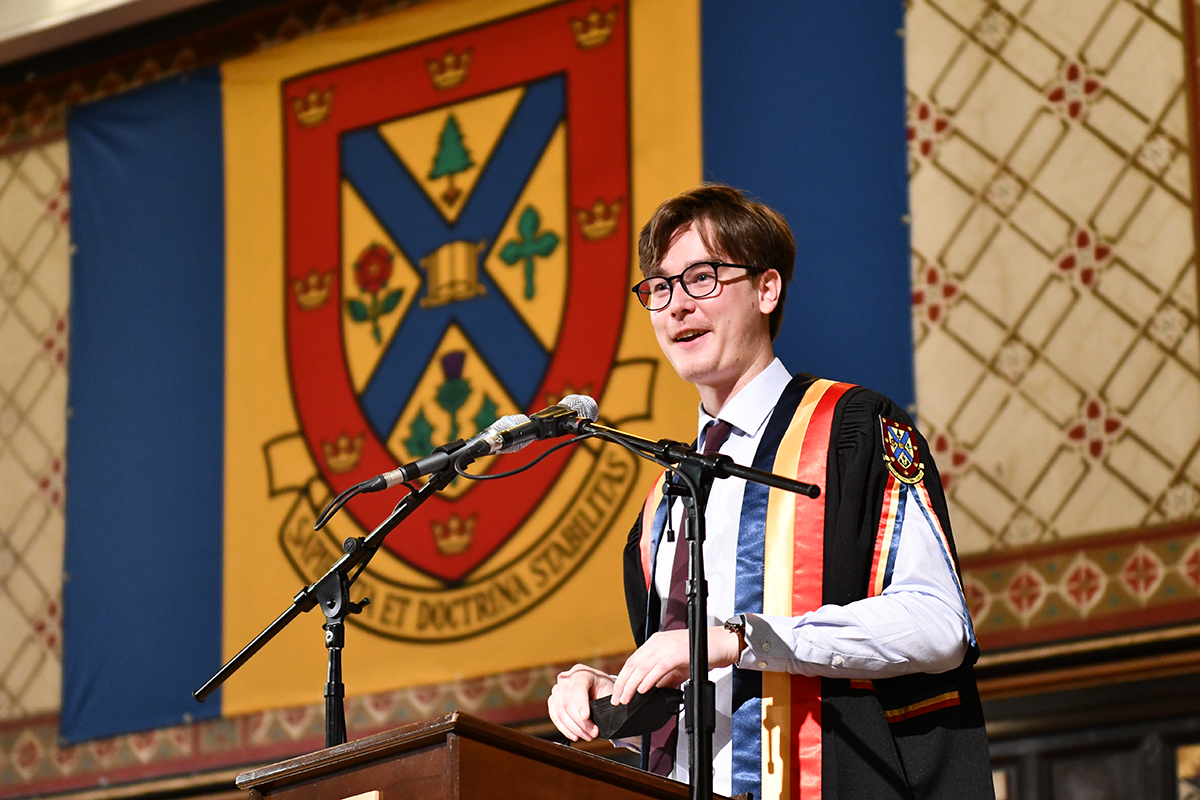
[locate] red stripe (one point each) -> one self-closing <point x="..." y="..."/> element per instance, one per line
<point x="809" y="551"/>
<point x="644" y="545"/>
<point x="916" y="712"/>
<point x="882" y="535"/>
<point x="808" y="568"/>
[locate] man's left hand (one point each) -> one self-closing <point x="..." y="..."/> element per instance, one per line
<point x="663" y="661"/>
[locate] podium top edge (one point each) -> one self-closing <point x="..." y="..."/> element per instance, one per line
<point x="435" y="730"/>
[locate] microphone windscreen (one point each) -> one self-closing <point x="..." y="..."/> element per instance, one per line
<point x="582" y="405"/>
<point x="508" y="423"/>
<point x="505" y="422"/>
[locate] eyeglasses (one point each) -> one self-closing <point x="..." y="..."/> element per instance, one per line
<point x="698" y="280"/>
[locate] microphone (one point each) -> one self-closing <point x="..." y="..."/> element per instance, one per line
<point x="557" y="420"/>
<point x="440" y="458"/>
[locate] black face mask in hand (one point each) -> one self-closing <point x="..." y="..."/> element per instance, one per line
<point x="645" y="713"/>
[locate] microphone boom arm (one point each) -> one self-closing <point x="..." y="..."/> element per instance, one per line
<point x="676" y="452"/>
<point x="331" y="593"/>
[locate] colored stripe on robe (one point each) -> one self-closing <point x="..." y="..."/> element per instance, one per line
<point x="653" y="517"/>
<point x="926" y="505"/>
<point x="891" y="518"/>
<point x="925" y="706"/>
<point x="791" y="706"/>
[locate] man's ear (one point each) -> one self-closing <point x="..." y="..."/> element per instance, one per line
<point x="770" y="286"/>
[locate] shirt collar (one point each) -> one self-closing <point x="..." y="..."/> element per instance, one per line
<point x="748" y="410"/>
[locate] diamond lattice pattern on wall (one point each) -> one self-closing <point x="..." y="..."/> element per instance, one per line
<point x="34" y="289"/>
<point x="1055" y="297"/>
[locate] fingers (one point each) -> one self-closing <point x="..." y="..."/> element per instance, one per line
<point x="569" y="701"/>
<point x="569" y="723"/>
<point x="664" y="660"/>
<point x="661" y="661"/>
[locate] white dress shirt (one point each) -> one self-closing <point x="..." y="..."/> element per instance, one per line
<point x="919" y="623"/>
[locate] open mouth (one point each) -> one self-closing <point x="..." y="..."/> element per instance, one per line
<point x="688" y="336"/>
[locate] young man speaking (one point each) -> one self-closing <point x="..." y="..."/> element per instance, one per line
<point x="840" y="643"/>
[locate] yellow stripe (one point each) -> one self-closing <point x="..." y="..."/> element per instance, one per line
<point x="897" y="712"/>
<point x="645" y="542"/>
<point x="777" y="597"/>
<point x="889" y="539"/>
<point x="781" y="508"/>
<point x="776" y="738"/>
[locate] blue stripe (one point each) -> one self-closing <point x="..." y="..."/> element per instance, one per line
<point x="145" y="444"/>
<point x="748" y="598"/>
<point x="894" y="545"/>
<point x="933" y="528"/>
<point x="656" y="531"/>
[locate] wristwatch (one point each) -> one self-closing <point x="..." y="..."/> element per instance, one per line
<point x="738" y="625"/>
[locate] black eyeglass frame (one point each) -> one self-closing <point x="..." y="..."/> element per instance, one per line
<point x="673" y="279"/>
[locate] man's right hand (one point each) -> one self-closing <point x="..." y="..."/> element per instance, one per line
<point x="569" y="699"/>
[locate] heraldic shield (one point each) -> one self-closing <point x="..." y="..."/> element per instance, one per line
<point x="457" y="242"/>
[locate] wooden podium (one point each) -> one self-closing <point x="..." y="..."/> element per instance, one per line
<point x="455" y="757"/>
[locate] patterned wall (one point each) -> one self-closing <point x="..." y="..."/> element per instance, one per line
<point x="1055" y="307"/>
<point x="34" y="290"/>
<point x="1055" y="298"/>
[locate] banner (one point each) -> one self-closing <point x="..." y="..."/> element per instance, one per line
<point x="450" y="239"/>
<point x="335" y="254"/>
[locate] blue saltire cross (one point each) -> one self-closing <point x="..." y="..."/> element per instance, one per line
<point x="494" y="328"/>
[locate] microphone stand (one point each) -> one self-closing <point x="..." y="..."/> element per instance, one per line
<point x="332" y="593"/>
<point x="698" y="472"/>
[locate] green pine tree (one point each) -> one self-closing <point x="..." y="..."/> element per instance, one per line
<point x="452" y="158"/>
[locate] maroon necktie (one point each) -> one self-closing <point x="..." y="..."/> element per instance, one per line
<point x="664" y="741"/>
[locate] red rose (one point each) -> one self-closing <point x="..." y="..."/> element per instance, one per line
<point x="373" y="268"/>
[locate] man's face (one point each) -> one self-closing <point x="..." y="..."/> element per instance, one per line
<point x="721" y="341"/>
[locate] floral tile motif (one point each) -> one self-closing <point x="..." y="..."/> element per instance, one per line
<point x="1075" y="91"/>
<point x="1054" y="296"/>
<point x="1101" y="585"/>
<point x="1084" y="257"/>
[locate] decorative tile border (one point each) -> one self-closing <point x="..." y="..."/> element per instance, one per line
<point x="1100" y="585"/>
<point x="34" y="761"/>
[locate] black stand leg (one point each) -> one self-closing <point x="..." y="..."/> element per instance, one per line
<point x="333" y="593"/>
<point x="699" y="693"/>
<point x="335" y="691"/>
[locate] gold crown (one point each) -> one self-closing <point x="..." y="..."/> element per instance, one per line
<point x="314" y="108"/>
<point x="595" y="29"/>
<point x="451" y="70"/>
<point x="600" y="220"/>
<point x="344" y="454"/>
<point x="455" y="536"/>
<point x="313" y="291"/>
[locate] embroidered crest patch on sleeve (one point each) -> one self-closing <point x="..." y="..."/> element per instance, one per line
<point x="900" y="451"/>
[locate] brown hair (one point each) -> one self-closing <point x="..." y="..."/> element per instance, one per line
<point x="734" y="227"/>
